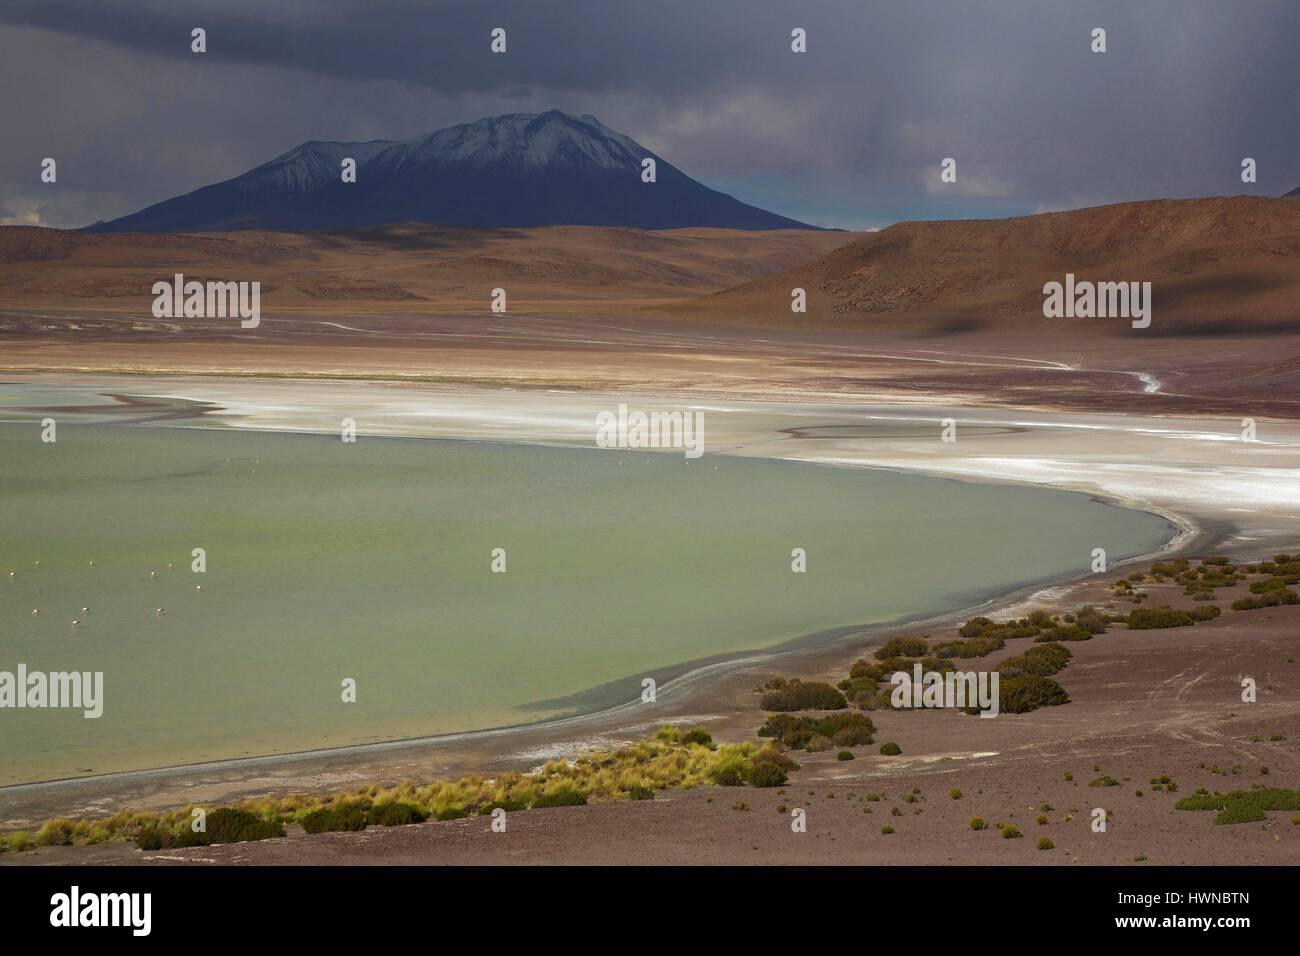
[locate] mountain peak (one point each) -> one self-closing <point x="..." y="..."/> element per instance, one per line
<point x="516" y="169"/>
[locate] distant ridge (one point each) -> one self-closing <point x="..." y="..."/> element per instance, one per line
<point x="1228" y="265"/>
<point x="517" y="170"/>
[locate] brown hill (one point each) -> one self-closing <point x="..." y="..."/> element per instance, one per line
<point x="409" y="267"/>
<point x="1223" y="265"/>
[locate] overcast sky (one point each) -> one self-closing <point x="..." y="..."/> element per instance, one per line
<point x="849" y="134"/>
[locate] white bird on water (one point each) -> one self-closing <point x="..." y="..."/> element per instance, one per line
<point x="153" y="574"/>
<point x="160" y="612"/>
<point x="85" y="610"/>
<point x="75" y="623"/>
<point x="36" y="610"/>
<point x="198" y="587"/>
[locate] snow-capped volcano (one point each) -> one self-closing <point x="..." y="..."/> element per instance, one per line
<point x="520" y="169"/>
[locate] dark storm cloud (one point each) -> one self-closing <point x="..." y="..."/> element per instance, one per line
<point x="850" y="133"/>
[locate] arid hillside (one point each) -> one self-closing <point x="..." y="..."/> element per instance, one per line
<point x="408" y="268"/>
<point x="1222" y="266"/>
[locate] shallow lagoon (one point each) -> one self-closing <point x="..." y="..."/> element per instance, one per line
<point x="329" y="560"/>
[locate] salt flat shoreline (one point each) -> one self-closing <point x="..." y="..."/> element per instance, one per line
<point x="687" y="694"/>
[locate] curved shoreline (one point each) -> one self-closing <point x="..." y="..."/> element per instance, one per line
<point x="692" y="674"/>
<point x="689" y="679"/>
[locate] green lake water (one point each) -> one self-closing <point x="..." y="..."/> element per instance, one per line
<point x="372" y="561"/>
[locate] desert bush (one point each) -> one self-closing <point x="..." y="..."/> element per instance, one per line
<point x="973" y="647"/>
<point x="232" y="825"/>
<point x="766" y="775"/>
<point x="1026" y="692"/>
<point x="1207" y="612"/>
<point x="845" y="730"/>
<point x="1042" y="660"/>
<point x="890" y="749"/>
<point x="697" y="735"/>
<point x="1149" y="618"/>
<point x="1064" y="632"/>
<point x="864" y="669"/>
<point x="1046" y="844"/>
<point x="1242" y="806"/>
<point x="396" y="815"/>
<point x="729" y="772"/>
<point x="1011" y="832"/>
<point x="903" y="647"/>
<point x="977" y="823"/>
<point x="331" y="820"/>
<point x="844" y="755"/>
<point x="803" y="695"/>
<point x="1275" y="598"/>
<point x="564" y="795"/>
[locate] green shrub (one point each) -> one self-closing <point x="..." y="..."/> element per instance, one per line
<point x="890" y="749"/>
<point x="1242" y="806"/>
<point x="230" y="825"/>
<point x="1041" y="660"/>
<point x="844" y="755"/>
<point x="1021" y="694"/>
<point x="1104" y="781"/>
<point x="845" y="730"/>
<point x="56" y="832"/>
<point x="331" y="819"/>
<point x="977" y="823"/>
<point x="1268" y="599"/>
<point x="903" y="647"/>
<point x="886" y="829"/>
<point x="1206" y="612"/>
<point x="1149" y="618"/>
<point x="697" y="736"/>
<point x="396" y="815"/>
<point x="1064" y="632"/>
<point x="150" y="838"/>
<point x="766" y="775"/>
<point x="973" y="647"/>
<point x="803" y="695"/>
<point x="730" y="771"/>
<point x="1045" y="844"/>
<point x="1269" y="584"/>
<point x="638" y="792"/>
<point x="565" y="795"/>
<point x="1011" y="832"/>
